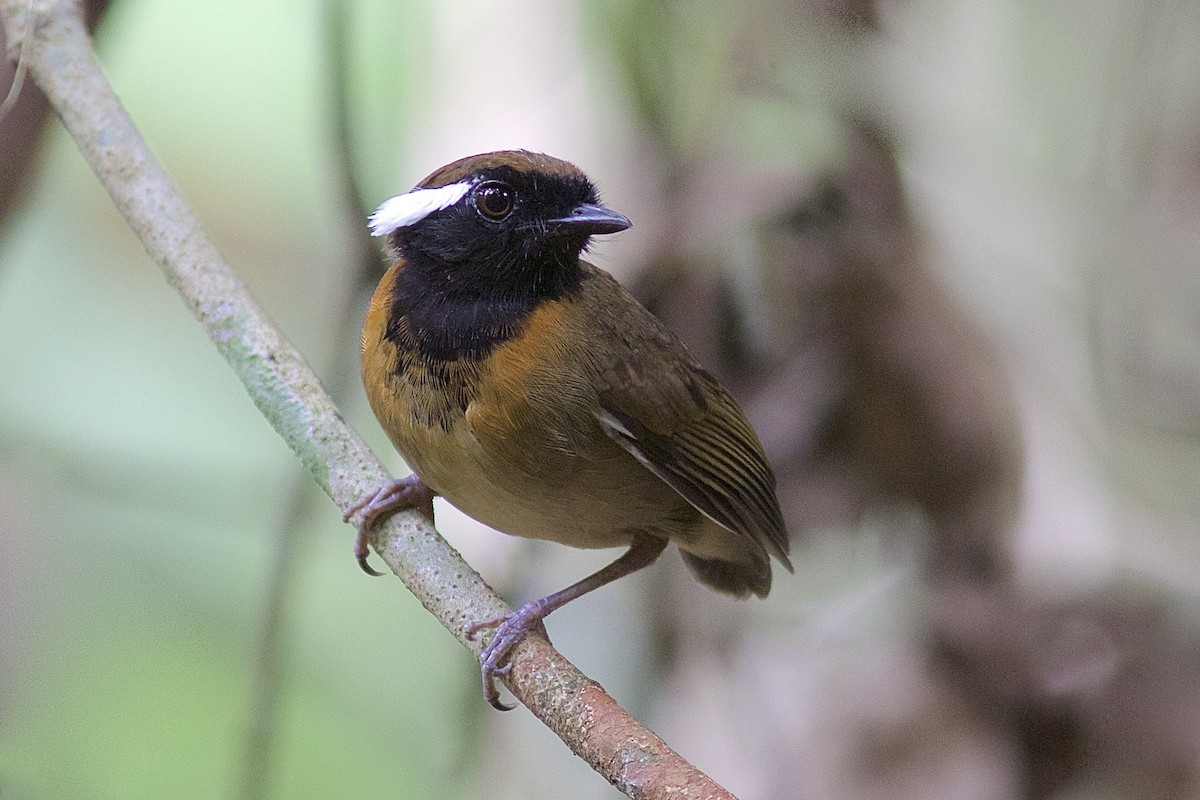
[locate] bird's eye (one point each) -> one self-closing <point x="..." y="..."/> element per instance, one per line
<point x="495" y="200"/>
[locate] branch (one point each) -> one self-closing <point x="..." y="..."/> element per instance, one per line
<point x="289" y="395"/>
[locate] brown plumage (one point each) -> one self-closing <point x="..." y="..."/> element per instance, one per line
<point x="530" y="390"/>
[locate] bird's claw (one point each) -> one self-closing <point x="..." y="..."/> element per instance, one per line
<point x="362" y="552"/>
<point x="407" y="492"/>
<point x="510" y="630"/>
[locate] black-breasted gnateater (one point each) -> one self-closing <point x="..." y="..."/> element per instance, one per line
<point x="531" y="391"/>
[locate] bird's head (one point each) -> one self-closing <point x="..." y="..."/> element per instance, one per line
<point x="508" y="216"/>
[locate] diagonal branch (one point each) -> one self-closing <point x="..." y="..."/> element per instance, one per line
<point x="289" y="395"/>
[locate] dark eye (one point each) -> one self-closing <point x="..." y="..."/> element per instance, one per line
<point x="495" y="200"/>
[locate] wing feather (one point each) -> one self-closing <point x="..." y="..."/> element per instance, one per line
<point x="664" y="409"/>
<point x="711" y="456"/>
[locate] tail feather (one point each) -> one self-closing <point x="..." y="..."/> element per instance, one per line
<point x="737" y="578"/>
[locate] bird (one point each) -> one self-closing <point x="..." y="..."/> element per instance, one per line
<point x="530" y="390"/>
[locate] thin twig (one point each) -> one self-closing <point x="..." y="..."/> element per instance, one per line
<point x="365" y="266"/>
<point x="266" y="684"/>
<point x="24" y="115"/>
<point x="289" y="395"/>
<point x="18" y="79"/>
<point x="365" y="255"/>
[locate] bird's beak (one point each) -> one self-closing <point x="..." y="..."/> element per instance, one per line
<point x="588" y="219"/>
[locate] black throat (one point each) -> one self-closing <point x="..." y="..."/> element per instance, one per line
<point x="448" y="312"/>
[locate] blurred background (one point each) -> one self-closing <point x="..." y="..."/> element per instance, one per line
<point x="945" y="253"/>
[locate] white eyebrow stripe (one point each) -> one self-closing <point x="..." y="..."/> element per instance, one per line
<point x="406" y="209"/>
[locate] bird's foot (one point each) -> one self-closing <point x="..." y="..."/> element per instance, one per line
<point x="509" y="631"/>
<point x="399" y="494"/>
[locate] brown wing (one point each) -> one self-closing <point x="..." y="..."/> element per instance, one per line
<point x="681" y="424"/>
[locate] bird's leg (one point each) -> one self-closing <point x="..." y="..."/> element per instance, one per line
<point x="644" y="551"/>
<point x="398" y="494"/>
